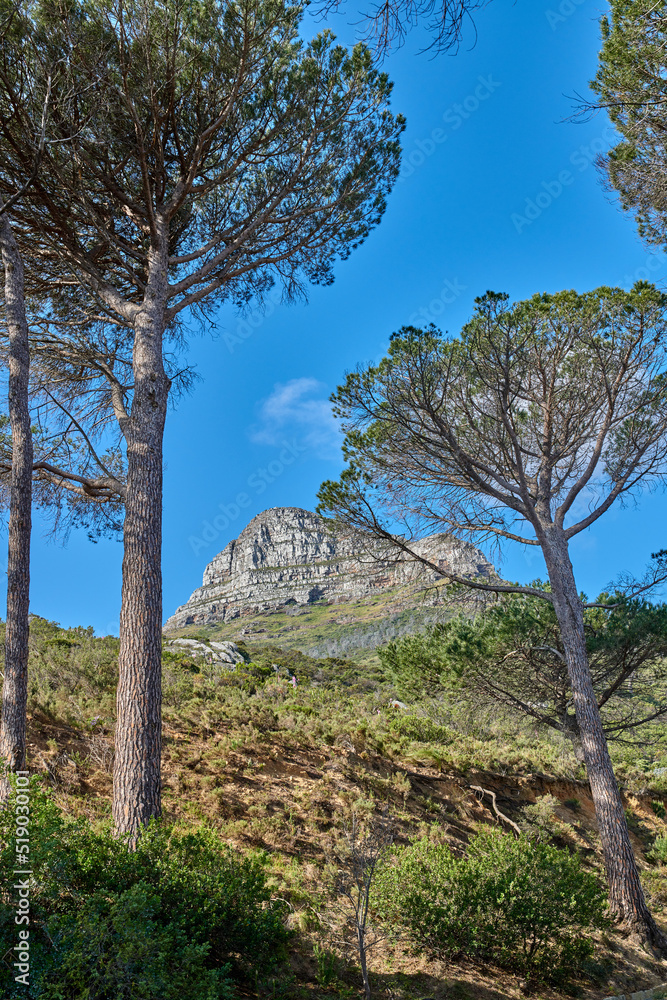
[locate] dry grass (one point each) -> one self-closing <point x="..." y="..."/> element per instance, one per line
<point x="291" y="799"/>
<point x="280" y="769"/>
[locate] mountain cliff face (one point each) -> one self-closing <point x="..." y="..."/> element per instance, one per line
<point x="287" y="559"/>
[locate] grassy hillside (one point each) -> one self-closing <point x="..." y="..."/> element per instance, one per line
<point x="325" y="629"/>
<point x="282" y="768"/>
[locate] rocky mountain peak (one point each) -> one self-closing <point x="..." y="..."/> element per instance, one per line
<point x="289" y="556"/>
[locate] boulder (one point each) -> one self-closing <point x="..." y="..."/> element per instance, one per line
<point x="227" y="654"/>
<point x="190" y="644"/>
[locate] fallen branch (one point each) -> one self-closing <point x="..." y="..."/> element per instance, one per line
<point x="499" y="814"/>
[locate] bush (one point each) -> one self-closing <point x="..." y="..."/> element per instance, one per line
<point x="418" y="663"/>
<point x="520" y="904"/>
<point x="658" y="852"/>
<point x="542" y="821"/>
<point x="180" y="917"/>
<point x="119" y="947"/>
<point x="422" y="730"/>
<point x="72" y="672"/>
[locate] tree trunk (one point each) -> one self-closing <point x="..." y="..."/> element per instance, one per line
<point x="626" y="896"/>
<point x="570" y="728"/>
<point x="136" y="792"/>
<point x="361" y="940"/>
<point x="15" y="685"/>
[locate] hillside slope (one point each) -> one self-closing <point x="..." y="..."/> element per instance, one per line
<point x="282" y="767"/>
<point x="353" y="628"/>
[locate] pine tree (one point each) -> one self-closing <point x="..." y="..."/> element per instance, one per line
<point x="206" y="153"/>
<point x="527" y="427"/>
<point x="631" y="87"/>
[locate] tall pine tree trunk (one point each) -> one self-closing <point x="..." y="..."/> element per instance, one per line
<point x="626" y="896"/>
<point x="15" y="685"/>
<point x="136" y="792"/>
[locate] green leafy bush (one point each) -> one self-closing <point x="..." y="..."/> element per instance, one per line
<point x="542" y="820"/>
<point x="523" y="905"/>
<point x="659" y="850"/>
<point x="102" y="915"/>
<point x="72" y="672"/>
<point x="418" y="663"/>
<point x="119" y="947"/>
<point x="422" y="730"/>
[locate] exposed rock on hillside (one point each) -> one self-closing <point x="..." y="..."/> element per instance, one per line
<point x="226" y="654"/>
<point x="288" y="558"/>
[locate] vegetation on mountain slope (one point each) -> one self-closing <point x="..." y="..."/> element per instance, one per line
<point x="353" y="628"/>
<point x="263" y="764"/>
<point x="512" y="654"/>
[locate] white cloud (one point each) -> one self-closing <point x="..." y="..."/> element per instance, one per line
<point x="299" y="408"/>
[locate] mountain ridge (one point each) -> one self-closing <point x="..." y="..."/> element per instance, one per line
<point x="289" y="564"/>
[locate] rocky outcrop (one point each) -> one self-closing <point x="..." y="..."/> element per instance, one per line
<point x="287" y="556"/>
<point x="225" y="654"/>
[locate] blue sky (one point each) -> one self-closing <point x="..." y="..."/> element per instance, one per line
<point x="498" y="191"/>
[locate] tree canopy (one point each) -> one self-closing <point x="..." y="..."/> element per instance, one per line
<point x="631" y="86"/>
<point x="513" y="654"/>
<point x="266" y="157"/>
<point x="543" y="411"/>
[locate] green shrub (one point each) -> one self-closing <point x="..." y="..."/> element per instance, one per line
<point x="72" y="672"/>
<point x="418" y="663"/>
<point x="659" y="850"/>
<point x="99" y="911"/>
<point x="541" y="818"/>
<point x="658" y="808"/>
<point x="523" y="905"/>
<point x="422" y="730"/>
<point x="327" y="965"/>
<point x="119" y="947"/>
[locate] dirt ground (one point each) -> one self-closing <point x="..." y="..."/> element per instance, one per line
<point x="290" y="799"/>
